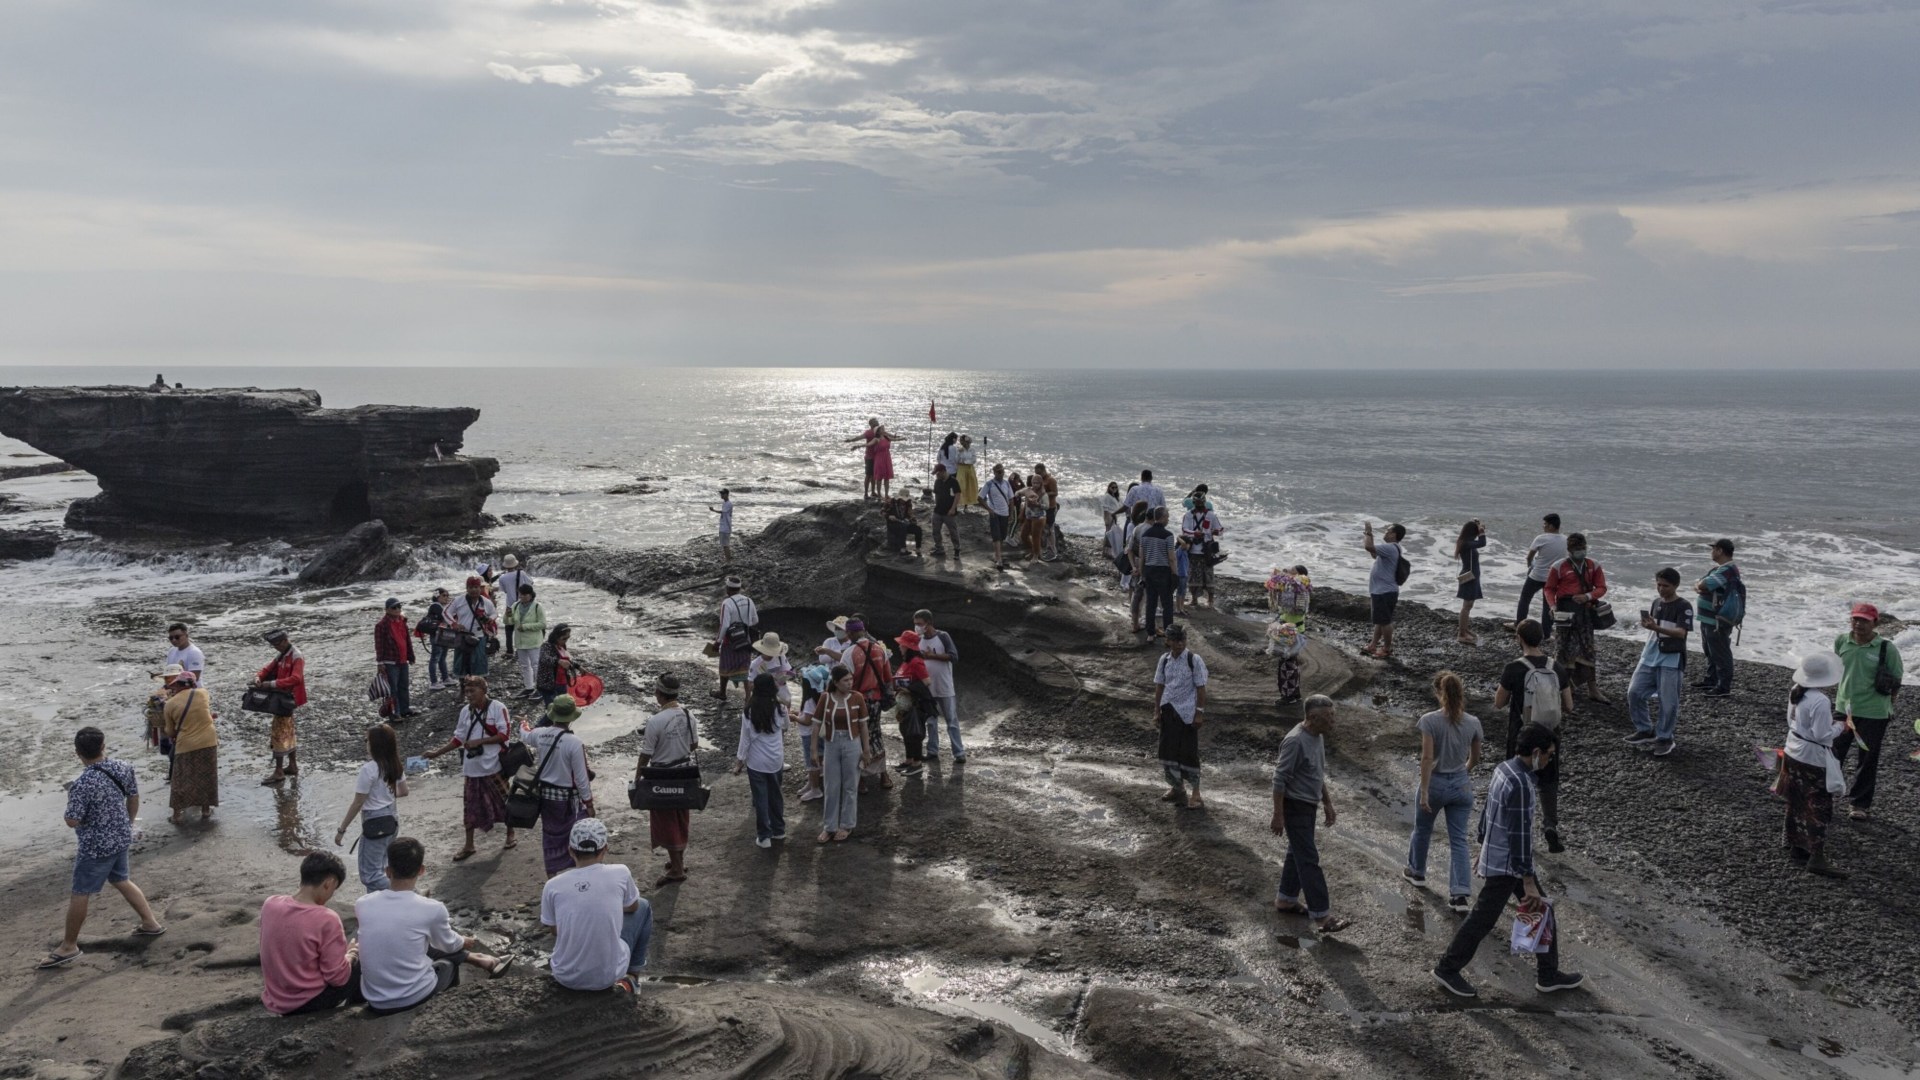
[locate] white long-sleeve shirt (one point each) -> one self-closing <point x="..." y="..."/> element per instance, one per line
<point x="1811" y="729"/>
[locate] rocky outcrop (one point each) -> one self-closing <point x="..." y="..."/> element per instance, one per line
<point x="253" y="462"/>
<point x="366" y="551"/>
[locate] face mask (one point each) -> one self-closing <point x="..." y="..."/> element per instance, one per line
<point x="1578" y="556"/>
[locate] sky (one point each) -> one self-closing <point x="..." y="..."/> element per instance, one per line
<point x="1535" y="184"/>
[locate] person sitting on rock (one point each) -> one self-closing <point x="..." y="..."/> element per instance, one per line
<point x="601" y="924"/>
<point x="408" y="949"/>
<point x="306" y="964"/>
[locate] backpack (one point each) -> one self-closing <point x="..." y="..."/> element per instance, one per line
<point x="738" y="636"/>
<point x="1402" y="570"/>
<point x="1733" y="604"/>
<point x="1540" y="696"/>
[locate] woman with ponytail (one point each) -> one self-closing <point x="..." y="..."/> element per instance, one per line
<point x="1449" y="749"/>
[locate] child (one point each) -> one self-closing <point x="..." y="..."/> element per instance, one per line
<point x="725" y="510"/>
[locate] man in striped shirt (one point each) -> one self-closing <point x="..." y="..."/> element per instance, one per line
<point x="1506" y="864"/>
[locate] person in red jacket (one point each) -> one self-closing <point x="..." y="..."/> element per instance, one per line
<point x="393" y="651"/>
<point x="287" y="673"/>
<point x="1574" y="588"/>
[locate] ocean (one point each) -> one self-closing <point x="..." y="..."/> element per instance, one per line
<point x="1806" y="471"/>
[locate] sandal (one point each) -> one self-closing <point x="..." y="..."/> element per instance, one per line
<point x="841" y="836"/>
<point x="510" y="845"/>
<point x="500" y="966"/>
<point x="55" y="960"/>
<point x="1194" y="803"/>
<point x="1858" y="814"/>
<point x="668" y="879"/>
<point x="822" y="838"/>
<point x="141" y="931"/>
<point x="1332" y="924"/>
<point x="1289" y="907"/>
<point x="463" y="856"/>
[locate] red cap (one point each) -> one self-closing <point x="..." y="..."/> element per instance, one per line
<point x="1864" y="610"/>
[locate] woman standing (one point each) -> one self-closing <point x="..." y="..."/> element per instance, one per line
<point x="763" y="755"/>
<point x="882" y="446"/>
<point x="479" y="732"/>
<point x="967" y="476"/>
<point x="566" y="784"/>
<point x="841" y="720"/>
<point x="187" y="720"/>
<point x="1033" y="517"/>
<point x="949" y="454"/>
<point x="1473" y="537"/>
<point x="1110" y="505"/>
<point x="528" y="621"/>
<point x="1811" y="729"/>
<point x="1574" y="588"/>
<point x="382" y="781"/>
<point x="554" y="672"/>
<point x="1449" y="750"/>
<point x="287" y="673"/>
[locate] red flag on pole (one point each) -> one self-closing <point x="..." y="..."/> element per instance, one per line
<point x="932" y="417"/>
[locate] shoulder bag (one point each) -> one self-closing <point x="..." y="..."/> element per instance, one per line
<point x="1885" y="682"/>
<point x="271" y="702"/>
<point x="1602" y="612"/>
<point x="673" y="786"/>
<point x="523" y="795"/>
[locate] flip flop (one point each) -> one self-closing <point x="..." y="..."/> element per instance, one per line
<point x="500" y="966"/>
<point x="1284" y="908"/>
<point x="55" y="960"/>
<point x="464" y="855"/>
<point x="841" y="836"/>
<point x="510" y="845"/>
<point x="1333" y="925"/>
<point x="822" y="838"/>
<point x="668" y="879"/>
<point x="140" y="931"/>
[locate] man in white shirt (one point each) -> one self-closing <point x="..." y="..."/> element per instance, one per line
<point x="601" y="923"/>
<point x="482" y="727"/>
<point x="1145" y="491"/>
<point x="508" y="585"/>
<point x="997" y="495"/>
<point x="474" y="613"/>
<point x="1547" y="548"/>
<point x="669" y="741"/>
<point x="725" y="510"/>
<point x="1180" y="707"/>
<point x="181" y="650"/>
<point x="408" y="950"/>
<point x="937" y="649"/>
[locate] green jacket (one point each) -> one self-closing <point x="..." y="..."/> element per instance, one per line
<point x="1860" y="663"/>
<point x="529" y="624"/>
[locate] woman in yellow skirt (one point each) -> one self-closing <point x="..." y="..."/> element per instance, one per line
<point x="964" y="473"/>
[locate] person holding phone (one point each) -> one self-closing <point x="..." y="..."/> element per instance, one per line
<point x="1473" y="537"/>
<point x="1663" y="666"/>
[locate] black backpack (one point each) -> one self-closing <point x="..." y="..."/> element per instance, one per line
<point x="1402" y="570"/>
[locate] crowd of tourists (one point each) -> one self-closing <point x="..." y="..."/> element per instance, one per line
<point x="860" y="684"/>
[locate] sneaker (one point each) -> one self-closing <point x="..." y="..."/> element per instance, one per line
<point x="763" y="842"/>
<point x="812" y="794"/>
<point x="914" y="769"/>
<point x="1639" y="740"/>
<point x="779" y="836"/>
<point x="1460" y="905"/>
<point x="1560" y="980"/>
<point x="1456" y="983"/>
<point x="1663" y="748"/>
<point x="1412" y="875"/>
<point x="1717" y="692"/>
<point x="1554" y="846"/>
<point x="960" y="759"/>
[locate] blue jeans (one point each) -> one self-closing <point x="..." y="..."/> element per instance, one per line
<point x="840" y="769"/>
<point x="1301" y="872"/>
<point x="397" y="677"/>
<point x="1666" y="681"/>
<point x="92" y="875"/>
<point x="950" y="709"/>
<point x="1716" y="640"/>
<point x="1451" y="793"/>
<point x="769" y="807"/>
<point x="437" y="664"/>
<point x="373" y="860"/>
<point x="636" y="930"/>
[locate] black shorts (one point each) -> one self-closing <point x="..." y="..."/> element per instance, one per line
<point x="997" y="526"/>
<point x="1383" y="605"/>
<point x="869" y="467"/>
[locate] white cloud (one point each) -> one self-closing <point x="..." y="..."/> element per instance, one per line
<point x="556" y="74"/>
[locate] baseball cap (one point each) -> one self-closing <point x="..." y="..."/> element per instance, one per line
<point x="588" y="836"/>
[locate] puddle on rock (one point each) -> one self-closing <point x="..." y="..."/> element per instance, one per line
<point x="929" y="986"/>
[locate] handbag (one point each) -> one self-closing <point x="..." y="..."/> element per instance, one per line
<point x="1885" y="682"/>
<point x="1466" y="577"/>
<point x="380" y="689"/>
<point x="1603" y="617"/>
<point x="523" y="795"/>
<point x="379" y="828"/>
<point x="271" y="702"/>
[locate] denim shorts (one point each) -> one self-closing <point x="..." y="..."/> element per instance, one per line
<point x="92" y="875"/>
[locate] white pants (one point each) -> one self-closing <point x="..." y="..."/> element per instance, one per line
<point x="529" y="661"/>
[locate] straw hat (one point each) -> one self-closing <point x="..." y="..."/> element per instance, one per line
<point x="837" y="624"/>
<point x="1819" y="671"/>
<point x="172" y="672"/>
<point x="770" y="645"/>
<point x="564" y="710"/>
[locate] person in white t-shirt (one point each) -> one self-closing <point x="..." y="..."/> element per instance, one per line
<point x="181" y="650"/>
<point x="725" y="510"/>
<point x="1146" y="491"/>
<point x="481" y="729"/>
<point x="601" y="923"/>
<point x="408" y="949"/>
<point x="939" y="653"/>
<point x="1547" y="548"/>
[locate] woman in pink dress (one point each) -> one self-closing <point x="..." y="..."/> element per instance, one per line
<point x="882" y="445"/>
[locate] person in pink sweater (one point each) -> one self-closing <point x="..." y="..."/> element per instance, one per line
<point x="306" y="964"/>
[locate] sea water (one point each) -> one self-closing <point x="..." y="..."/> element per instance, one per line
<point x="1807" y="472"/>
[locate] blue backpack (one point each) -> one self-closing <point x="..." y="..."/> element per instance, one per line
<point x="1733" y="606"/>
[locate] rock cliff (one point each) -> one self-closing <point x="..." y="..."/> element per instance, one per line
<point x="249" y="462"/>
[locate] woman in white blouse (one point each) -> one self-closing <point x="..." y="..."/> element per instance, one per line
<point x="1808" y="757"/>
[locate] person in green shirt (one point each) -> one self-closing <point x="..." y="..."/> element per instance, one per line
<point x="1867" y="710"/>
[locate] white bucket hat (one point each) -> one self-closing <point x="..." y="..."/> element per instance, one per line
<point x="1819" y="671"/>
<point x="770" y="645"/>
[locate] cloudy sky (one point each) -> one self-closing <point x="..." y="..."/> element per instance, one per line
<point x="1529" y="183"/>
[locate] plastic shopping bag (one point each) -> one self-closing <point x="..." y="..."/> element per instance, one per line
<point x="1533" y="926"/>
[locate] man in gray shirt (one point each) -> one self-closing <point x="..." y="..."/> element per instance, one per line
<point x="1299" y="787"/>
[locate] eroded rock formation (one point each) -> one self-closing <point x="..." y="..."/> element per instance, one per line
<point x="250" y="462"/>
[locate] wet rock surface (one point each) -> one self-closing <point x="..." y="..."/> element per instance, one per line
<point x="367" y="550"/>
<point x="249" y="462"/>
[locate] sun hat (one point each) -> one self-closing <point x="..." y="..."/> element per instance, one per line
<point x="276" y="634"/>
<point x="511" y="562"/>
<point x="667" y="686"/>
<point x="908" y="639"/>
<point x="1864" y="610"/>
<point x="172" y="672"/>
<point x="1819" y="671"/>
<point x="588" y="836"/>
<point x="392" y="602"/>
<point x="770" y="645"/>
<point x="564" y="710"/>
<point x="837" y="624"/>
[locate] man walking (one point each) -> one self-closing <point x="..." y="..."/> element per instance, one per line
<point x="510" y="582"/>
<point x="602" y="926"/>
<point x="1663" y="666"/>
<point x="1506" y="865"/>
<point x="1871" y="680"/>
<point x="1153" y="554"/>
<point x="946" y="511"/>
<point x="1547" y="548"/>
<point x="181" y="650"/>
<point x="1723" y="604"/>
<point x="668" y="741"/>
<point x="393" y="652"/>
<point x="1383" y="586"/>
<point x="102" y="803"/>
<point x="997" y="495"/>
<point x="1180" y="706"/>
<point x="939" y="653"/>
<point x="1299" y="789"/>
